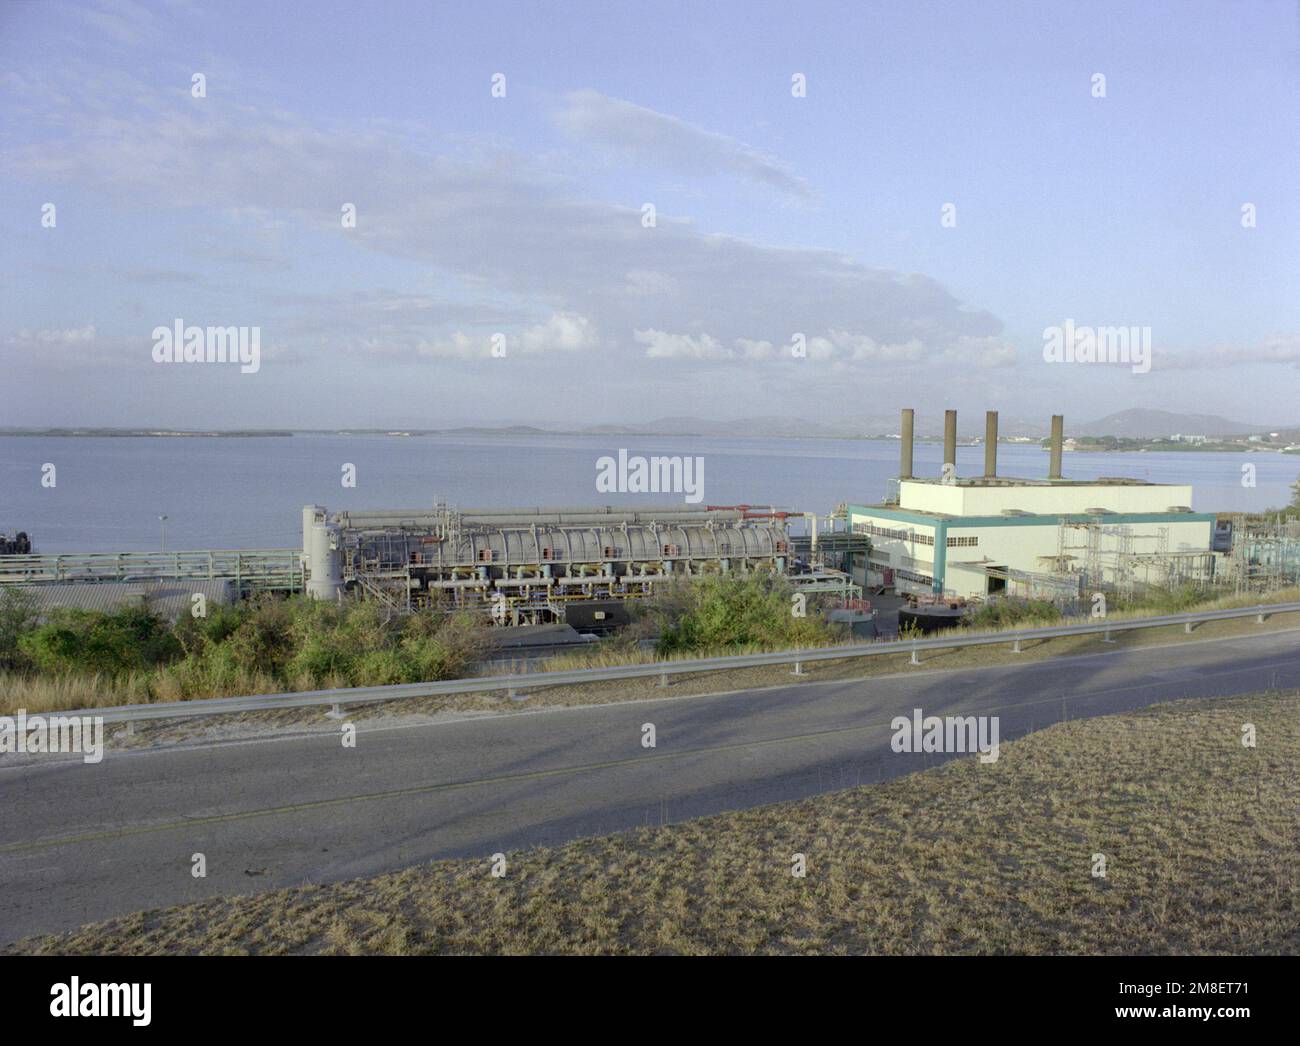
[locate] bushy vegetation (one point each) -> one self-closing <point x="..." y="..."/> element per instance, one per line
<point x="1029" y="613"/>
<point x="17" y="618"/>
<point x="1012" y="613"/>
<point x="126" y="640"/>
<point x="264" y="646"/>
<point x="729" y="612"/>
<point x="1156" y="602"/>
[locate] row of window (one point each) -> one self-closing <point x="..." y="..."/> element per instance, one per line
<point x="489" y="555"/>
<point x="911" y="535"/>
<point x="896" y="535"/>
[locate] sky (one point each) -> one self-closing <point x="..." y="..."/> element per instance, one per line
<point x="601" y="212"/>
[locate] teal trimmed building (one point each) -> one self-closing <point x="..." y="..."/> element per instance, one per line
<point x="981" y="537"/>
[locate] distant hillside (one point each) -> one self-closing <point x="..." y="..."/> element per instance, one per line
<point x="762" y="426"/>
<point x="1140" y="423"/>
<point x="929" y="424"/>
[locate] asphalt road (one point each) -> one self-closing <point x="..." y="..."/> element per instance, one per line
<point x="84" y="842"/>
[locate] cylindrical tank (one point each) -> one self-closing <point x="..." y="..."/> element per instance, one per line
<point x="310" y="513"/>
<point x="326" y="581"/>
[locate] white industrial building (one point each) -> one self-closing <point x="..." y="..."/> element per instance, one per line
<point x="1053" y="537"/>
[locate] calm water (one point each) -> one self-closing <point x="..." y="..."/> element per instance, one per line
<point x="248" y="493"/>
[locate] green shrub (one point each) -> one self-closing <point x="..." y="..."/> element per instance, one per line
<point x="728" y="611"/>
<point x="1008" y="613"/>
<point x="1158" y="602"/>
<point x="81" y="641"/>
<point x="443" y="649"/>
<point x="17" y="616"/>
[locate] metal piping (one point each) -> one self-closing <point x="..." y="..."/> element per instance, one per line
<point x="416" y="519"/>
<point x="1058" y="440"/>
<point x="990" y="444"/>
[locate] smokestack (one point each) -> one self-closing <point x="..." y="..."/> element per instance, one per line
<point x="950" y="440"/>
<point x="990" y="443"/>
<point x="1058" y="434"/>
<point x="905" y="451"/>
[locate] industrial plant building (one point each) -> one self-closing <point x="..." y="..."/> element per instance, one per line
<point x="541" y="565"/>
<point x="1056" y="538"/>
<point x="948" y="536"/>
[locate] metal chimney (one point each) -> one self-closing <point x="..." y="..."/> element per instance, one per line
<point x="950" y="440"/>
<point x="1058" y="440"/>
<point x="905" y="450"/>
<point x="990" y="443"/>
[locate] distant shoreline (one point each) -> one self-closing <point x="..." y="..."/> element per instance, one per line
<point x="1129" y="446"/>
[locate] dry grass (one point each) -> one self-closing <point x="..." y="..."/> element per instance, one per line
<point x="67" y="692"/>
<point x="1201" y="835"/>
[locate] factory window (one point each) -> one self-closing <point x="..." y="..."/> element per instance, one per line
<point x="896" y="535"/>
<point x="552" y="553"/>
<point x="486" y="555"/>
<point x="963" y="542"/>
<point x="918" y="579"/>
<point x="610" y="552"/>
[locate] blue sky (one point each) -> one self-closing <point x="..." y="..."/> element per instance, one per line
<point x="522" y="215"/>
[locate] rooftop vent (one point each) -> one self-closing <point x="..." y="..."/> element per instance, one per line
<point x="1096" y="511"/>
<point x="1180" y="508"/>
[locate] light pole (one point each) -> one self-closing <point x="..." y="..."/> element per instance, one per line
<point x="162" y="522"/>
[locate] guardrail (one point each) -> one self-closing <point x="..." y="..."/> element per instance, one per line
<point x="262" y="567"/>
<point x="663" y="669"/>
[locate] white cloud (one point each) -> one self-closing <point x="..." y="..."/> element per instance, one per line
<point x="65" y="336"/>
<point x="749" y="349"/>
<point x="1275" y="349"/>
<point x="662" y="345"/>
<point x="504" y="244"/>
<point x="648" y="137"/>
<point x="563" y="332"/>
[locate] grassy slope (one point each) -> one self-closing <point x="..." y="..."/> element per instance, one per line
<point x="1202" y="836"/>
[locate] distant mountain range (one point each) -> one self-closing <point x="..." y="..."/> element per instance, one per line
<point x="929" y="425"/>
<point x="1138" y="423"/>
